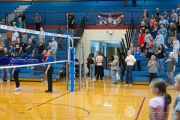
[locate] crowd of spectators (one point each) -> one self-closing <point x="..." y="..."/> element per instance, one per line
<point x="20" y="45"/>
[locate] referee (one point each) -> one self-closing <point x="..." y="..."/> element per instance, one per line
<point x="49" y="70"/>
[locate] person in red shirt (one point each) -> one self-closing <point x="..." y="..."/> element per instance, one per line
<point x="140" y="38"/>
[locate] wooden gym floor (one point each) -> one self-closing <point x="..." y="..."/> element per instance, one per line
<point x="101" y="100"/>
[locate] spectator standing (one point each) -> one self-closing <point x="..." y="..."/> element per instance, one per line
<point x="130" y="60"/>
<point x="159" y="106"/>
<point x="171" y="67"/>
<point x="178" y="10"/>
<point x="15" y="72"/>
<point x="11" y="50"/>
<point x="134" y="3"/>
<point x="22" y="16"/>
<point x="176" y="47"/>
<point x="159" y="39"/>
<point x="60" y="39"/>
<point x="49" y="71"/>
<point x="30" y="48"/>
<point x="160" y="54"/>
<point x="151" y="46"/>
<point x="176" y="107"/>
<point x="174" y="16"/>
<point x="122" y="69"/>
<point x="24" y="37"/>
<point x="41" y="36"/>
<point x="147" y="37"/>
<point x="41" y="46"/>
<point x="5" y="63"/>
<point x="22" y="24"/>
<point x="9" y="34"/>
<point x="33" y="38"/>
<point x="71" y="22"/>
<point x="91" y="66"/>
<point x="178" y="26"/>
<point x="95" y="62"/>
<point x="145" y="11"/>
<point x="154" y="31"/>
<point x="143" y="26"/>
<point x="140" y="38"/>
<point x="124" y="3"/>
<point x="18" y="46"/>
<point x="138" y="57"/>
<point x="153" y="68"/>
<point x="99" y="61"/>
<point x="2" y="45"/>
<point x="132" y="48"/>
<point x="152" y="21"/>
<point x="53" y="46"/>
<point x="157" y="14"/>
<point x="163" y="31"/>
<point x="166" y="16"/>
<point x="37" y="20"/>
<point x="163" y="22"/>
<point x="145" y="19"/>
<point x="114" y="68"/>
<point x="15" y="35"/>
<point x="171" y="31"/>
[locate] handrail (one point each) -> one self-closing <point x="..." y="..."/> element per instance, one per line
<point x="45" y="14"/>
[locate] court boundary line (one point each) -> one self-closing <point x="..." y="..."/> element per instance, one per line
<point x="62" y="104"/>
<point x="139" y="111"/>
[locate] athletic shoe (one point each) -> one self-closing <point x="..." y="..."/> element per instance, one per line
<point x="47" y="91"/>
<point x="125" y="85"/>
<point x="114" y="83"/>
<point x="17" y="89"/>
<point x="42" y="80"/>
<point x="130" y="85"/>
<point x="45" y="82"/>
<point x="8" y="80"/>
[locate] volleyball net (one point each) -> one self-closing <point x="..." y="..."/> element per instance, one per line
<point x="26" y="61"/>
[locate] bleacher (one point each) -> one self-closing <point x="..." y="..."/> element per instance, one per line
<point x="27" y="73"/>
<point x="54" y="13"/>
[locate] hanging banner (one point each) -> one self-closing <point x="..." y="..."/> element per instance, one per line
<point x="110" y="19"/>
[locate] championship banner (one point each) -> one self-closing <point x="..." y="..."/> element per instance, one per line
<point x="5" y="27"/>
<point x="110" y="19"/>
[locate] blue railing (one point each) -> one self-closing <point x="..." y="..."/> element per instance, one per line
<point x="59" y="17"/>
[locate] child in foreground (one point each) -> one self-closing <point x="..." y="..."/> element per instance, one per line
<point x="176" y="110"/>
<point x="159" y="105"/>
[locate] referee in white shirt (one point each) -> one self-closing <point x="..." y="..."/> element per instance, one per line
<point x="130" y="61"/>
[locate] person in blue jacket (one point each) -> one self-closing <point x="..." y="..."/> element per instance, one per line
<point x="15" y="72"/>
<point x="49" y="70"/>
<point x="138" y="57"/>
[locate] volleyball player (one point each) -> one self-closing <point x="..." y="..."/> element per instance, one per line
<point x="16" y="72"/>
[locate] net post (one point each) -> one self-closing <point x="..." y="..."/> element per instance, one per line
<point x="80" y="61"/>
<point x="83" y="55"/>
<point x="67" y="64"/>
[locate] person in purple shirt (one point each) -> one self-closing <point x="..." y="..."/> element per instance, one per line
<point x="159" y="106"/>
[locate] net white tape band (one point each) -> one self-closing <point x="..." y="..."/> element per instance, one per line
<point x="5" y="27"/>
<point x="27" y="65"/>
